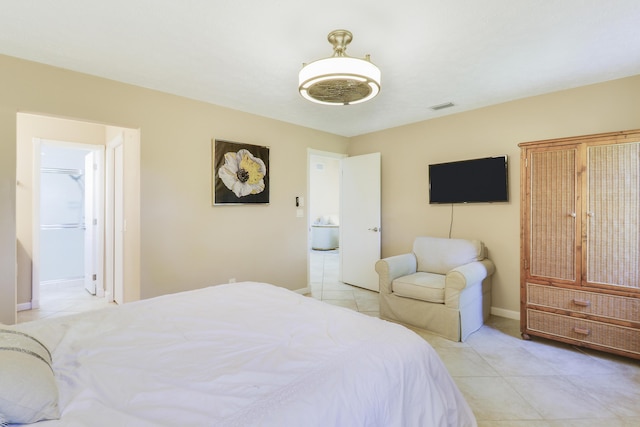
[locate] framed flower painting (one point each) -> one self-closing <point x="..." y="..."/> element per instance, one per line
<point x="240" y="173"/>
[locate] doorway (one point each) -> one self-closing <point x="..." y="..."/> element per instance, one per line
<point x="90" y="140"/>
<point x="344" y="216"/>
<point x="324" y="217"/>
<point x="67" y="220"/>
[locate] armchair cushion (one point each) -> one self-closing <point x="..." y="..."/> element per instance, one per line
<point x="439" y="255"/>
<point x="421" y="286"/>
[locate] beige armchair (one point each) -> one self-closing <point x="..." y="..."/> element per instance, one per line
<point x="443" y="286"/>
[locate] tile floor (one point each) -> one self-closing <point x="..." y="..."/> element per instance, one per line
<point x="511" y="382"/>
<point x="59" y="299"/>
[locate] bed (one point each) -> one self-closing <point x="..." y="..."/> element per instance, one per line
<point x="241" y="354"/>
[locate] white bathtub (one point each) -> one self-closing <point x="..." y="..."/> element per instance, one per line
<point x="325" y="237"/>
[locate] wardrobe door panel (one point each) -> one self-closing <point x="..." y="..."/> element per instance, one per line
<point x="552" y="209"/>
<point x="613" y="215"/>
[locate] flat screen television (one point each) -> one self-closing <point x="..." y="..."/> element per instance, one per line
<point x="469" y="181"/>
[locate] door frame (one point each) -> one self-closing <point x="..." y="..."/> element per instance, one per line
<point x="35" y="212"/>
<point x="312" y="152"/>
<point x="114" y="172"/>
<point x="94" y="231"/>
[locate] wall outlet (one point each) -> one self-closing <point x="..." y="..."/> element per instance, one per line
<point x="232" y="280"/>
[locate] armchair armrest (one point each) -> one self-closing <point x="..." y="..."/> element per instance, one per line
<point x="468" y="274"/>
<point x="391" y="268"/>
<point x="464" y="277"/>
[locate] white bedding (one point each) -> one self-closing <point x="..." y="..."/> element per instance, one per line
<point x="245" y="354"/>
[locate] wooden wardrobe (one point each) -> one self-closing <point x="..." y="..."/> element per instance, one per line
<point x="580" y="241"/>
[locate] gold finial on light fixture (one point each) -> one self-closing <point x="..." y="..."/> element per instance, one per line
<point x="340" y="79"/>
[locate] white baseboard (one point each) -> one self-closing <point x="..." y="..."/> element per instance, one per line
<point x="303" y="291"/>
<point x="24" y="306"/>
<point x="509" y="314"/>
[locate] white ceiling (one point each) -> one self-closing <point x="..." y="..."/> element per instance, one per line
<point x="246" y="54"/>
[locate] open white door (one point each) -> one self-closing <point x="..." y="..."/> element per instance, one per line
<point x="360" y="220"/>
<point x="89" y="224"/>
<point x="93" y="221"/>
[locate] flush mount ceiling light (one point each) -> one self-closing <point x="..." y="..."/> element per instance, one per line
<point x="340" y="79"/>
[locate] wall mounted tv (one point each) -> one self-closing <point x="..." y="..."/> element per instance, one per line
<point x="469" y="181"/>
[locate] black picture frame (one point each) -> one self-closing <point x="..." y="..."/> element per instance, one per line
<point x="240" y="173"/>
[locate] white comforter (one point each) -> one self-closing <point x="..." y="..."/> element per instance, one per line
<point x="245" y="354"/>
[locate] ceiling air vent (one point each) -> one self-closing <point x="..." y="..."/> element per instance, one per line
<point x="442" y="106"/>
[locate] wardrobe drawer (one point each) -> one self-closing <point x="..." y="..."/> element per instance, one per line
<point x="611" y="306"/>
<point x="587" y="331"/>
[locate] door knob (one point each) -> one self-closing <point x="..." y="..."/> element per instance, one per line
<point x="376" y="229"/>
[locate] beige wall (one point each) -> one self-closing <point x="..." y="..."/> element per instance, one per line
<point x="185" y="243"/>
<point x="406" y="151"/>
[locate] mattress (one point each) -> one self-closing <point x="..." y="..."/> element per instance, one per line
<point x="244" y="354"/>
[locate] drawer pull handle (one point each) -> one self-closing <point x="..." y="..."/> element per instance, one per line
<point x="582" y="303"/>
<point x="581" y="331"/>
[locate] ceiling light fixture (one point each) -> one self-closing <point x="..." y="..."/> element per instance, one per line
<point x="340" y="79"/>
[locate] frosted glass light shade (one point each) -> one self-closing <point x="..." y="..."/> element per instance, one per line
<point x="339" y="81"/>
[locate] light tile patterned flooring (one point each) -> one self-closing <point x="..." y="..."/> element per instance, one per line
<point x="60" y="299"/>
<point x="511" y="382"/>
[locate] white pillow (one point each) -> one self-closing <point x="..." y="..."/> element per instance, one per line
<point x="28" y="390"/>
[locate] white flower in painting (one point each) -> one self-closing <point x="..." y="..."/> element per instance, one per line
<point x="243" y="173"/>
